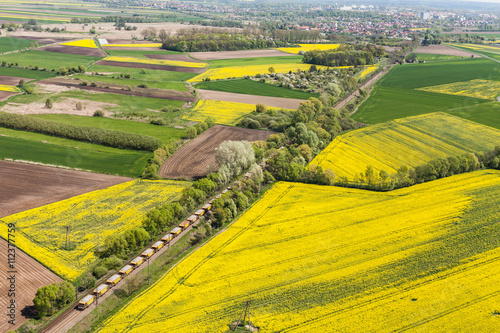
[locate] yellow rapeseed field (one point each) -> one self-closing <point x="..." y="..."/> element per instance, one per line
<point x="225" y="113"/>
<point x="308" y="47"/>
<point x="134" y="45"/>
<point x="313" y="257"/>
<point x="41" y="232"/>
<point x="409" y="141"/>
<point x="158" y="62"/>
<point x="367" y="71"/>
<point x="88" y="43"/>
<point x="486" y="89"/>
<point x="4" y="87"/>
<point x="240" y="71"/>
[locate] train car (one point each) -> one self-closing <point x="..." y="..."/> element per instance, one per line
<point x="199" y="212"/>
<point x="157" y="246"/>
<point x="192" y="219"/>
<point x="113" y="280"/>
<point x="225" y="191"/>
<point x="126" y="270"/>
<point x="218" y="196"/>
<point x="167" y="238"/>
<point x="137" y="262"/>
<point x="101" y="290"/>
<point x="176" y="231"/>
<point x="85" y="302"/>
<point x="184" y="224"/>
<point x="207" y="206"/>
<point x="147" y="253"/>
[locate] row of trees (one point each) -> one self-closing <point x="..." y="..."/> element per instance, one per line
<point x="100" y="136"/>
<point x="345" y="55"/>
<point x="51" y="298"/>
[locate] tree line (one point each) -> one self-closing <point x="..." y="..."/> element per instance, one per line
<point x="345" y="55"/>
<point x="100" y="136"/>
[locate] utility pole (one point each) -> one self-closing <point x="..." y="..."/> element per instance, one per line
<point x="244" y="315"/>
<point x="67" y="235"/>
<point x="148" y="272"/>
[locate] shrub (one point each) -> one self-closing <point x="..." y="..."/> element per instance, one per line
<point x="86" y="282"/>
<point x="100" y="271"/>
<point x="261" y="108"/>
<point x="98" y="113"/>
<point x="93" y="84"/>
<point x="79" y="106"/>
<point x="142" y="85"/>
<point x="29" y="90"/>
<point x="48" y="103"/>
<point x="158" y="121"/>
<point x="83" y="83"/>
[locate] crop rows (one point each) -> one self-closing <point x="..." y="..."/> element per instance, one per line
<point x="157" y="62"/>
<point x="88" y="43"/>
<point x="309" y="47"/>
<point x="485" y="89"/>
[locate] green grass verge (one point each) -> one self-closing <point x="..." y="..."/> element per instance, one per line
<point x="253" y="61"/>
<point x="249" y="87"/>
<point x="26" y="73"/>
<point x="120" y="162"/>
<point x="48" y="60"/>
<point x="161" y="132"/>
<point x="151" y="74"/>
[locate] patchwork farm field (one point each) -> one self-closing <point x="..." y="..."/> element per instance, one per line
<point x="8" y="44"/>
<point x="250" y="87"/>
<point x="398" y="94"/>
<point x="409" y="141"/>
<point x="93" y="216"/>
<point x="485" y="89"/>
<point x="48" y="60"/>
<point x="225" y="113"/>
<point x="311" y="257"/>
<point x="34" y="147"/>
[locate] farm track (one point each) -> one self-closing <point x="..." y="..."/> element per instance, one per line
<point x="192" y="159"/>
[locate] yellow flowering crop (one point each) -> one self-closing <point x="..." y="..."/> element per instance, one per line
<point x="311" y="257"/>
<point x="486" y="89"/>
<point x="367" y="70"/>
<point x="158" y="62"/>
<point x="41" y="232"/>
<point x="309" y="47"/>
<point x="240" y="71"/>
<point x="225" y="113"/>
<point x="409" y="141"/>
<point x="88" y="43"/>
<point x="134" y="45"/>
<point x="4" y="87"/>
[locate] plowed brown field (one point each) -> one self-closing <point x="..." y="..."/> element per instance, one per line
<point x="86" y="51"/>
<point x="192" y="160"/>
<point x="6" y="94"/>
<point x="151" y="66"/>
<point x="26" y="186"/>
<point x="12" y="80"/>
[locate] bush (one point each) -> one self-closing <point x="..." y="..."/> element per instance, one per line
<point x="100" y="271"/>
<point x="83" y="83"/>
<point x="29" y="90"/>
<point x="51" y="298"/>
<point x="98" y="113"/>
<point x="93" y="84"/>
<point x="261" y="108"/>
<point x="48" y="103"/>
<point x="79" y="106"/>
<point x="86" y="282"/>
<point x="158" y="121"/>
<point x="142" y="85"/>
<point x="112" y="262"/>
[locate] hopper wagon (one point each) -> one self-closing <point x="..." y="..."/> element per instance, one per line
<point x="199" y="212"/>
<point x="137" y="262"/>
<point x="184" y="224"/>
<point x="176" y="231"/>
<point x="225" y="191"/>
<point x="147" y="253"/>
<point x="126" y="270"/>
<point x="207" y="207"/>
<point x="167" y="238"/>
<point x="157" y="246"/>
<point x="192" y="218"/>
<point x="85" y="302"/>
<point x="113" y="280"/>
<point x="101" y="290"/>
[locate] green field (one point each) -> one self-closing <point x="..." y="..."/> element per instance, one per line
<point x="395" y="96"/>
<point x="151" y="74"/>
<point x="252" y="61"/>
<point x="436" y="57"/>
<point x="11" y="44"/>
<point x="48" y="60"/>
<point x="26" y="73"/>
<point x="116" y="162"/>
<point x="161" y="132"/>
<point x="249" y="87"/>
<point x="134" y="81"/>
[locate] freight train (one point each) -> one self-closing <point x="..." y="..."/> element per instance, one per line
<point x="145" y="255"/>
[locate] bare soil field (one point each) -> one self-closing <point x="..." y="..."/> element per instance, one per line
<point x="118" y="89"/>
<point x="42" y="40"/>
<point x="277" y="102"/>
<point x="29" y="276"/>
<point x="151" y="66"/>
<point x="86" y="51"/>
<point x="444" y="50"/>
<point x="175" y="57"/>
<point x="192" y="159"/>
<point x="6" y="94"/>
<point x="62" y="106"/>
<point x="12" y="80"/>
<point x="239" y="54"/>
<point x="26" y="186"/>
